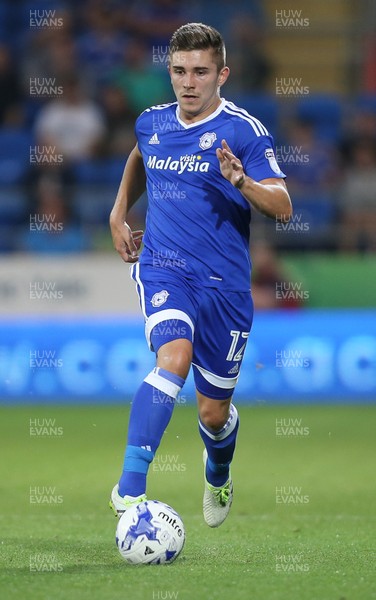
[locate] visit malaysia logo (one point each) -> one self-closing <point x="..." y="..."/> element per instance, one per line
<point x="188" y="162"/>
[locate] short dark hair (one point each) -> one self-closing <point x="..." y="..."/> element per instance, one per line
<point x="197" y="36"/>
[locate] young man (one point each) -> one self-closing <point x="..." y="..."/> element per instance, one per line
<point x="205" y="163"/>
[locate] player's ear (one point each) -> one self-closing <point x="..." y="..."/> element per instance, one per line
<point x="223" y="75"/>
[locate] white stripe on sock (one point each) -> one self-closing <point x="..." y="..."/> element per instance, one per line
<point x="228" y="427"/>
<point x="162" y="384"/>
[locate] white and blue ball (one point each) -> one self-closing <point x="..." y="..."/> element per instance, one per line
<point x="150" y="533"/>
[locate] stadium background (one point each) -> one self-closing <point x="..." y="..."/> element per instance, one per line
<point x="73" y="79"/>
<point x="71" y="336"/>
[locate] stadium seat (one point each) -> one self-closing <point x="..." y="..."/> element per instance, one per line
<point x="99" y="171"/>
<point x="366" y="103"/>
<point x="262" y="106"/>
<point x="14" y="155"/>
<point x="31" y="110"/>
<point x="92" y="203"/>
<point x="7" y="240"/>
<point x="318" y="212"/>
<point x="324" y="112"/>
<point x="4" y="23"/>
<point x="312" y="227"/>
<point x="13" y="212"/>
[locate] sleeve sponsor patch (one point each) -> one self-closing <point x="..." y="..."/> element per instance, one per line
<point x="269" y="154"/>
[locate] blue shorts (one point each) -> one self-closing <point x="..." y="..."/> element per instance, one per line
<point x="217" y="323"/>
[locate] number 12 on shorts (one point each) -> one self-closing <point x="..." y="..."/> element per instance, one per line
<point x="243" y="335"/>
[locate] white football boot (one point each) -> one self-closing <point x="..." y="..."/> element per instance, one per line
<point x="217" y="500"/>
<point x="119" y="504"/>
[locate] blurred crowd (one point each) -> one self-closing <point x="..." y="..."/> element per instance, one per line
<point x="75" y="76"/>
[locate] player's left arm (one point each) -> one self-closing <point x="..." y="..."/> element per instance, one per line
<point x="268" y="196"/>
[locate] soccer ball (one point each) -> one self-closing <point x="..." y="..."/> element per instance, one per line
<point x="150" y="533"/>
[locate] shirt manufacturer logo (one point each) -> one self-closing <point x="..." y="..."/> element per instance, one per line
<point x="154" y="139"/>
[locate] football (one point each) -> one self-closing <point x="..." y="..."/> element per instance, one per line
<point x="150" y="533"/>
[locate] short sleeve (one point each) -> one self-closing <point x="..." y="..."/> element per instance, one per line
<point x="258" y="157"/>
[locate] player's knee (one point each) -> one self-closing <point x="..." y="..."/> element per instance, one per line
<point x="176" y="357"/>
<point x="214" y="416"/>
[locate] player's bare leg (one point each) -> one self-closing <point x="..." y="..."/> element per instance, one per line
<point x="176" y="356"/>
<point x="213" y="413"/>
<point x="218" y="428"/>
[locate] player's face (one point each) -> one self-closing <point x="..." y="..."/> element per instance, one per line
<point x="196" y="82"/>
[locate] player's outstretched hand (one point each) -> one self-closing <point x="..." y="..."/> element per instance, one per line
<point x="126" y="241"/>
<point x="230" y="165"/>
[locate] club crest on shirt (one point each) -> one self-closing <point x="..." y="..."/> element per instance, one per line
<point x="159" y="298"/>
<point x="207" y="140"/>
<point x="269" y="154"/>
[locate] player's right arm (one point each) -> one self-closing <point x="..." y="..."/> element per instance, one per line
<point x="132" y="186"/>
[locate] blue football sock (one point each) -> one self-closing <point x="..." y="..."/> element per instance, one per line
<point x="151" y="412"/>
<point x="220" y="446"/>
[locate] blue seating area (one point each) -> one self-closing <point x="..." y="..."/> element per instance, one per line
<point x="13" y="213"/>
<point x="105" y="171"/>
<point x="92" y="202"/>
<point x="15" y="147"/>
<point x="324" y="112"/>
<point x="312" y="223"/>
<point x="13" y="204"/>
<point x="95" y="182"/>
<point x="262" y="106"/>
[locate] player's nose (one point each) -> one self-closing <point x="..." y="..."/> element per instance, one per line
<point x="188" y="80"/>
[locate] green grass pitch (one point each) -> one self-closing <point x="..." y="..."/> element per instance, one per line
<point x="302" y="525"/>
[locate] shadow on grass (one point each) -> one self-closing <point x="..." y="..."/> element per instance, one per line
<point x="61" y="557"/>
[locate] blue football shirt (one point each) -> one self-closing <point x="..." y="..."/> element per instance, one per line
<point x="197" y="223"/>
